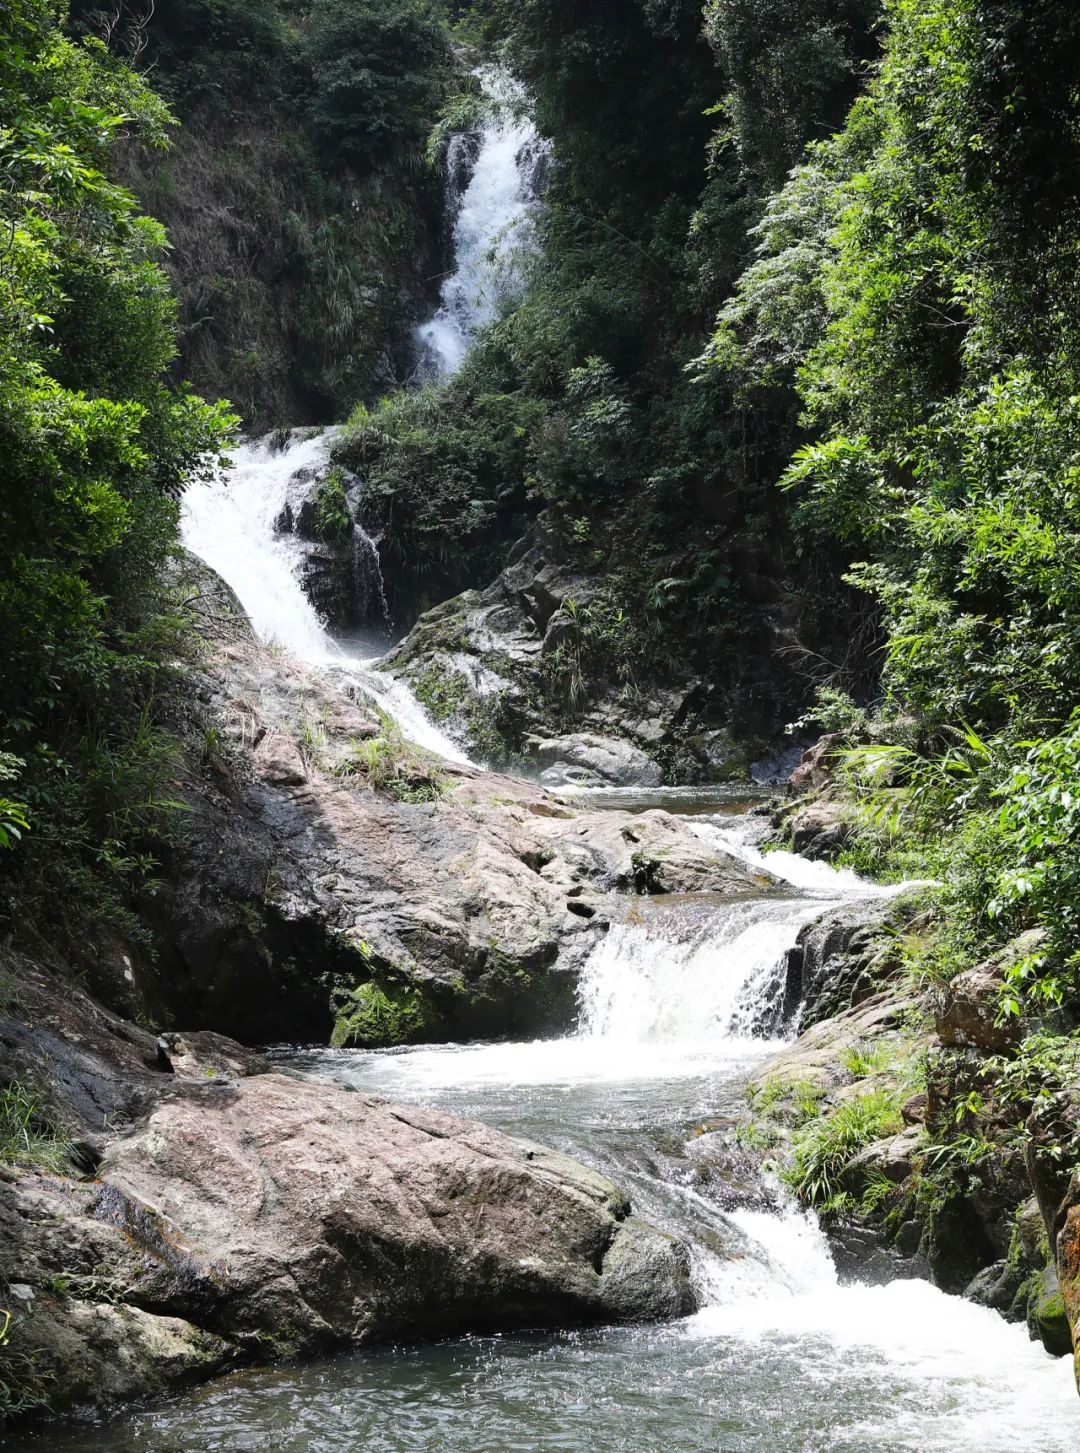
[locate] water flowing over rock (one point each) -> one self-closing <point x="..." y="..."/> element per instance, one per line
<point x="303" y="900"/>
<point x="494" y="178"/>
<point x="234" y="1214"/>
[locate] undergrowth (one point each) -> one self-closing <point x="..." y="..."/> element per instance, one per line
<point x="28" y="1135"/>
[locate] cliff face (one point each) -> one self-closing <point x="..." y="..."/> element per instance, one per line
<point x="304" y="223"/>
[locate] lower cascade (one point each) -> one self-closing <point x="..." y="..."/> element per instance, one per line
<point x="679" y="1004"/>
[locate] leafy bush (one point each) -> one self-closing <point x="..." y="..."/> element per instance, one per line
<point x="824" y="1146"/>
<point x="393" y="767"/>
<point x="380" y="70"/>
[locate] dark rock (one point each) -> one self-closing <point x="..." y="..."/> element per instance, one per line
<point x="845" y="957"/>
<point x="993" y="1287"/>
<point x="957" y="1246"/>
<point x="862" y="1254"/>
<point x="819" y="832"/>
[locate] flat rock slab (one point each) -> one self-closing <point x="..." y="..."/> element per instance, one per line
<point x="273" y="1216"/>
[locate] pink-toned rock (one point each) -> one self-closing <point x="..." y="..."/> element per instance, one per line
<point x="970" y="1009"/>
<point x="814" y="772"/>
<point x="278" y="760"/>
<point x="315" y="1215"/>
<point x="270" y="1216"/>
<point x="1068" y="1264"/>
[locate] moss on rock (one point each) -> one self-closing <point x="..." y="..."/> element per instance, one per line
<point x="373" y="1016"/>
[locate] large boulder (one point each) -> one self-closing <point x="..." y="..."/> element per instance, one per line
<point x="970" y="1012"/>
<point x="252" y="1218"/>
<point x="585" y="759"/>
<point x="310" y="896"/>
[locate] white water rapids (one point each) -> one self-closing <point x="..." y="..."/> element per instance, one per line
<point x="782" y="1354"/>
<point x="493" y="219"/>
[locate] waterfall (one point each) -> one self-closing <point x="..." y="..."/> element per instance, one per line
<point x="368" y="583"/>
<point x="678" y="977"/>
<point x="501" y="172"/>
<point x="231" y="523"/>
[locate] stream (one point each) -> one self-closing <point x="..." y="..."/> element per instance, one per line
<point x="678" y="1004"/>
<point x="782" y="1356"/>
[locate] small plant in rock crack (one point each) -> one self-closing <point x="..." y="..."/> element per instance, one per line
<point x="824" y="1146"/>
<point x="27" y="1135"/>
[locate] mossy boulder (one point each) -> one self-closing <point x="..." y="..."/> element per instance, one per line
<point x="372" y="1016"/>
<point x="1047" y="1319"/>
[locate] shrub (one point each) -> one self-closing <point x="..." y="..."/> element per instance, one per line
<point x="824" y="1146"/>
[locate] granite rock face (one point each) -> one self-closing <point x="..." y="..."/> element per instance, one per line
<point x="271" y="1217"/>
<point x="454" y="902"/>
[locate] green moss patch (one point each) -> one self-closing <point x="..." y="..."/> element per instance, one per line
<point x="372" y="1016"/>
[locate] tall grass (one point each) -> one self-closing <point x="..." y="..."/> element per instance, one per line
<point x="28" y="1136"/>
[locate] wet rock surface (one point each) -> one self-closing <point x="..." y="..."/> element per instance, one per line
<point x="299" y="882"/>
<point x="843" y="958"/>
<point x="216" y="1212"/>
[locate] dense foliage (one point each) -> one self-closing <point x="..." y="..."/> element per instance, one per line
<point x="94" y="447"/>
<point x="831" y="247"/>
<point x="916" y="288"/>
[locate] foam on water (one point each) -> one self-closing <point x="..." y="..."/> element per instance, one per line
<point x="810" y="877"/>
<point x="983" y="1383"/>
<point x="648" y="983"/>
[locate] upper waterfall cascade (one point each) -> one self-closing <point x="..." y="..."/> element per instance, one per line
<point x="493" y="180"/>
<point x="231" y="523"/>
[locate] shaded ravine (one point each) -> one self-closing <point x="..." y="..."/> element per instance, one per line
<point x="781" y="1355"/>
<point x="678" y="1004"/>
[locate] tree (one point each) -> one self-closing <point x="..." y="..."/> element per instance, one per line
<point x="94" y="445"/>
